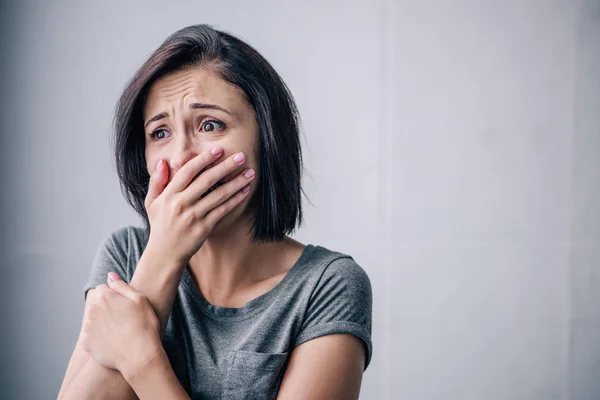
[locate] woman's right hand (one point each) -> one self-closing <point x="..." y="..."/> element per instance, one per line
<point x="180" y="220"/>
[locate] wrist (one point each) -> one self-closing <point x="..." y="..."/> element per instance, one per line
<point x="154" y="273"/>
<point x="154" y="255"/>
<point x="156" y="379"/>
<point x="137" y="369"/>
<point x="158" y="278"/>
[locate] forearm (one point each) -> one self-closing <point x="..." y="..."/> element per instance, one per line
<point x="94" y="381"/>
<point x="156" y="380"/>
<point x="158" y="280"/>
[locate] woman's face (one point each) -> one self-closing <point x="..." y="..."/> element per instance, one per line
<point x="192" y="111"/>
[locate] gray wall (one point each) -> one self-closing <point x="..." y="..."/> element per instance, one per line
<point x="451" y="147"/>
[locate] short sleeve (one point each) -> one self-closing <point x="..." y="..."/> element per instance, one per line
<point x="341" y="302"/>
<point x="111" y="255"/>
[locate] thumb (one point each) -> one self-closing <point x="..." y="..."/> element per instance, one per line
<point x="157" y="183"/>
<point x="120" y="286"/>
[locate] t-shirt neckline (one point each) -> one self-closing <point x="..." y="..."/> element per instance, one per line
<point x="253" y="306"/>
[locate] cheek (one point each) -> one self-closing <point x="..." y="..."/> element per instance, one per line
<point x="151" y="165"/>
<point x="251" y="149"/>
<point x="148" y="156"/>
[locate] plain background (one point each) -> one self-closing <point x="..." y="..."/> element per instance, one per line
<point x="451" y="147"/>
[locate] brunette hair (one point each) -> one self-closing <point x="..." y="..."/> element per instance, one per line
<point x="276" y="205"/>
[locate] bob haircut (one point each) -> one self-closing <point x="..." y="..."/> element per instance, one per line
<point x="276" y="205"/>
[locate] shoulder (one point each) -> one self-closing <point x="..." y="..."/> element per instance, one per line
<point x="342" y="280"/>
<point x="340" y="269"/>
<point x="113" y="253"/>
<point x="123" y="235"/>
<point x="114" y="241"/>
<point x="340" y="299"/>
<point x="118" y="235"/>
<point x="119" y="241"/>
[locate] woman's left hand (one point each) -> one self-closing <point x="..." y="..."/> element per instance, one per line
<point x="120" y="329"/>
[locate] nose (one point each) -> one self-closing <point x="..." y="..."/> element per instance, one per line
<point x="180" y="159"/>
<point x="183" y="151"/>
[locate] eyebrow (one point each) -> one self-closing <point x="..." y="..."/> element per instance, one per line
<point x="193" y="106"/>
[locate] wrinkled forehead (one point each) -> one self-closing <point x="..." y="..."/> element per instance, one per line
<point x="193" y="85"/>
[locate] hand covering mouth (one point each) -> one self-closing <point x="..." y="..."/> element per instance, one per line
<point x="213" y="187"/>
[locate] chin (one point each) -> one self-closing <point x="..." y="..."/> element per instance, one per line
<point x="231" y="221"/>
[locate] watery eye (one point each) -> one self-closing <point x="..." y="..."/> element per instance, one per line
<point x="210" y="126"/>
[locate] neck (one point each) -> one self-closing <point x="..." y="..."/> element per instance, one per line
<point x="229" y="262"/>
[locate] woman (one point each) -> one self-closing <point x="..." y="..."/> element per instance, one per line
<point x="210" y="298"/>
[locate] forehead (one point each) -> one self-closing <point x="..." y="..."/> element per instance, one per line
<point x="195" y="84"/>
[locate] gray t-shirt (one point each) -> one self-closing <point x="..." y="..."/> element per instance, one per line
<point x="241" y="353"/>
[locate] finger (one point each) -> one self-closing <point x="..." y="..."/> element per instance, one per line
<point x="120" y="286"/>
<point x="210" y="177"/>
<point x="219" y="212"/>
<point x="224" y="192"/>
<point x="190" y="169"/>
<point x="102" y="287"/>
<point x="158" y="181"/>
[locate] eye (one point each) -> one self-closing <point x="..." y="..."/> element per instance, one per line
<point x="212" y="125"/>
<point x="156" y="134"/>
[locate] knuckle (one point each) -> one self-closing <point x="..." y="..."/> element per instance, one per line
<point x="187" y="169"/>
<point x="189" y="218"/>
<point x="102" y="288"/>
<point x="204" y="182"/>
<point x="99" y="301"/>
<point x="102" y="298"/>
<point x="217" y="214"/>
<point x="201" y="229"/>
<point x="221" y="196"/>
<point x="196" y="165"/>
<point x="177" y="207"/>
<point x="231" y="165"/>
<point x="204" y="158"/>
<point x="224" y="209"/>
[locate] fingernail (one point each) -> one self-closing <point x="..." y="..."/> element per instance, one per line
<point x="158" y="164"/>
<point x="216" y="151"/>
<point x="239" y="158"/>
<point x="249" y="174"/>
<point x="246" y="189"/>
<point x="113" y="276"/>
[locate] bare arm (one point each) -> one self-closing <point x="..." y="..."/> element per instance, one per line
<point x="328" y="367"/>
<point x="156" y="277"/>
<point x="157" y="380"/>
<point x="85" y="378"/>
